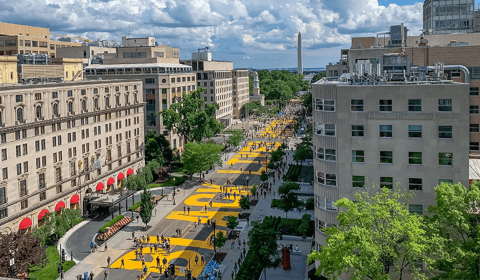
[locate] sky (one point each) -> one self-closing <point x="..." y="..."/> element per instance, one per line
<point x="251" y="33"/>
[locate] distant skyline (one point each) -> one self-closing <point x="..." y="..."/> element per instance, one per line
<point x="257" y="34"/>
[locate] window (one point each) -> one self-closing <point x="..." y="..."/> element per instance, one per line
<point x="24" y="204"/>
<point x="329" y="105"/>
<point x="5" y="173"/>
<point x="386" y="157"/>
<point x="84" y="105"/>
<point x="445" y="132"/>
<point x="414" y="157"/>
<point x="20" y="115"/>
<point x="19" y="168"/>
<point x="41" y="180"/>
<point x="55" y="109"/>
<point x="416" y="209"/>
<point x="447" y="181"/>
<point x="474" y="146"/>
<point x="356" y="105"/>
<point x="4" y="154"/>
<point x="358" y="156"/>
<point x="473" y="110"/>
<point x="415" y="184"/>
<point x="19" y="98"/>
<point x="24" y="149"/>
<point x="415" y="131"/>
<point x="149" y="81"/>
<point x="58" y="174"/>
<point x="358" y="181"/>
<point x="386" y="131"/>
<point x="330" y="154"/>
<point x="474" y="128"/>
<point x="385" y="105"/>
<point x="474" y="91"/>
<point x="329" y="130"/>
<point x="18" y="151"/>
<point x="445" y="159"/>
<point x="331" y="180"/>
<point x="386" y="182"/>
<point x="70" y="107"/>
<point x="445" y="105"/>
<point x="414" y="105"/>
<point x="357" y="130"/>
<point x="320" y="153"/>
<point x="23" y="188"/>
<point x="3" y="196"/>
<point x="38" y="112"/>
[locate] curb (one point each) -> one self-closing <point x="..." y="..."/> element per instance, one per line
<point x="62" y="241"/>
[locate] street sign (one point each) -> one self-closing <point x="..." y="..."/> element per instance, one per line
<point x="12" y="261"/>
<point x="182" y="269"/>
<point x="264" y="162"/>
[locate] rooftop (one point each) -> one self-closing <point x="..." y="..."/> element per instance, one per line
<point x="149" y="65"/>
<point x="5" y="87"/>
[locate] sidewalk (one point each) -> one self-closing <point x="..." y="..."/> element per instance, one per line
<point x="121" y="241"/>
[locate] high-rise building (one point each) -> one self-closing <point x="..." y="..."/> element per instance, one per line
<point x="299" y="55"/>
<point x="64" y="145"/>
<point x="454" y="16"/>
<point x="240" y="78"/>
<point x="368" y="130"/>
<point x="165" y="80"/>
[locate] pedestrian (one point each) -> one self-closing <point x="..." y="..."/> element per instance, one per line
<point x="133" y="235"/>
<point x="199" y="220"/>
<point x="233" y="274"/>
<point x="164" y="261"/>
<point x="91" y="275"/>
<point x="105" y="273"/>
<point x="95" y="247"/>
<point x="106" y="246"/>
<point x="196" y="259"/>
<point x="151" y="248"/>
<point x="122" y="263"/>
<point x="158" y="238"/>
<point x="92" y="246"/>
<point x="206" y="208"/>
<point x="143" y="261"/>
<point x="248" y="221"/>
<point x="273" y="194"/>
<point x="244" y="244"/>
<point x="108" y="261"/>
<point x="137" y="218"/>
<point x="232" y="244"/>
<point x="203" y="259"/>
<point x="145" y="270"/>
<point x="188" y="210"/>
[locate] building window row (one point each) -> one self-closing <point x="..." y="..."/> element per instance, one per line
<point x="386" y="105"/>
<point x="414" y="131"/>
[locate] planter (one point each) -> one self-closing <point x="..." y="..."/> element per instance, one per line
<point x="113" y="229"/>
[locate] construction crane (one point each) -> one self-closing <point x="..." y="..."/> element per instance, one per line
<point x="71" y="36"/>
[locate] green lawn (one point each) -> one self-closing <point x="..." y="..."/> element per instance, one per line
<point x="170" y="182"/>
<point x="180" y="170"/>
<point x="49" y="271"/>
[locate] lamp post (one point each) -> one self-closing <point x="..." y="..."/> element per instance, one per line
<point x="214" y="224"/>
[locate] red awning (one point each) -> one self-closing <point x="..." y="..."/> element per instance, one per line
<point x="100" y="186"/>
<point x="42" y="214"/>
<point x="25" y="223"/>
<point x="110" y="181"/>
<point x="129" y="172"/>
<point x="120" y="176"/>
<point x="75" y="198"/>
<point x="59" y="206"/>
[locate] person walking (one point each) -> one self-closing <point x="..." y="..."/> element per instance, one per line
<point x="108" y="261"/>
<point x="158" y="261"/>
<point x="91" y="275"/>
<point x="122" y="263"/>
<point x="106" y="246"/>
<point x="133" y="235"/>
<point x="202" y="259"/>
<point x="196" y="259"/>
<point x="92" y="244"/>
<point x="188" y="210"/>
<point x="233" y="275"/>
<point x="105" y="273"/>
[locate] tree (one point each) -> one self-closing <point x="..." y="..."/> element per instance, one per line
<point x="377" y="238"/>
<point x="455" y="220"/>
<point x="146" y="207"/>
<point x="192" y="118"/>
<point x="245" y="203"/>
<point x="199" y="157"/>
<point x="232" y="222"/>
<point x="288" y="199"/>
<point x="236" y="137"/>
<point x="264" y="176"/>
<point x="153" y="166"/>
<point x="253" y="190"/>
<point x="302" y="153"/>
<point x="220" y="239"/>
<point x="24" y="248"/>
<point x="308" y="101"/>
<point x="318" y="77"/>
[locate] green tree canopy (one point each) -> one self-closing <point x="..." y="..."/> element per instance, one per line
<point x="232" y="222"/>
<point x="192" y="118"/>
<point x="456" y="220"/>
<point x="220" y="239"/>
<point x="264" y="176"/>
<point x="146" y="207"/>
<point x="245" y="203"/>
<point x="318" y="77"/>
<point x="263" y="244"/>
<point x="236" y="137"/>
<point x="376" y="238"/>
<point x="199" y="157"/>
<point x="281" y="85"/>
<point x="302" y="153"/>
<point x="288" y="199"/>
<point x="157" y="147"/>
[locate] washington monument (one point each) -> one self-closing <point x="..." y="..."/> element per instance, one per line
<point x="299" y="58"/>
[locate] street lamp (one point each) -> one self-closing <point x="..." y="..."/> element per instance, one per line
<point x="214" y="224"/>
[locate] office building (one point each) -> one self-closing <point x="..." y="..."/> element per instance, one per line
<point x="23" y="39"/>
<point x="88" y="54"/>
<point x="63" y="144"/>
<point x="443" y="17"/>
<point x="164" y="79"/>
<point x="241" y="89"/>
<point x="68" y="69"/>
<point x="383" y="130"/>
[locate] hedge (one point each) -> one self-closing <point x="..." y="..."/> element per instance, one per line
<point x="274" y="203"/>
<point x="310" y="203"/>
<point x="135" y="206"/>
<point x="292" y="173"/>
<point x="110" y="223"/>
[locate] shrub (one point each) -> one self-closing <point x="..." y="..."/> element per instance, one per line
<point x="310" y="203"/>
<point x="110" y="223"/>
<point x="135" y="206"/>
<point x="274" y="203"/>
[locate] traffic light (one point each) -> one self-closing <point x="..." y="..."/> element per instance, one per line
<point x="63" y="256"/>
<point x="14" y="271"/>
<point x="188" y="275"/>
<point x="172" y="269"/>
<point x="59" y="269"/>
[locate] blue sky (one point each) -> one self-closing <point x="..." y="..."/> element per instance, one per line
<point x="251" y="33"/>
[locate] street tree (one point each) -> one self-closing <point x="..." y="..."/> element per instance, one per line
<point x="220" y="240"/>
<point x="232" y="222"/>
<point x="236" y="137"/>
<point x="192" y="118"/>
<point x="288" y="199"/>
<point x="376" y="238"/>
<point x="456" y="221"/>
<point x="24" y="248"/>
<point x="263" y="176"/>
<point x="199" y="157"/>
<point x="157" y="147"/>
<point x="244" y="203"/>
<point x="253" y="190"/>
<point x="302" y="153"/>
<point x="146" y="207"/>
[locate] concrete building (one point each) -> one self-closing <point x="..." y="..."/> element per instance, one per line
<point x="443" y="17"/>
<point x="64" y="144"/>
<point x="299" y="55"/>
<point x="371" y="131"/>
<point x="86" y="53"/>
<point x="138" y="42"/>
<point x="165" y="81"/>
<point x="8" y="70"/>
<point x="23" y="39"/>
<point x="452" y="49"/>
<point x="241" y="89"/>
<point x="68" y="69"/>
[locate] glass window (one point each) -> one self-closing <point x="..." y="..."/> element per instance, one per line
<point x="320" y="153"/>
<point x="385" y="105"/>
<point x="330" y="179"/>
<point x="357" y="130"/>
<point x="448" y="181"/>
<point x="445" y="105"/>
<point x="474" y="128"/>
<point x="474" y="146"/>
<point x="445" y="132"/>
<point x="445" y="159"/>
<point x="473" y="110"/>
<point x="3" y="196"/>
<point x="414" y="157"/>
<point x="386" y="131"/>
<point x="330" y="154"/>
<point x="150" y="81"/>
<point x="20" y="115"/>
<point x="416" y="209"/>
<point x="386" y="182"/>
<point x="415" y="184"/>
<point x="386" y="157"/>
<point x="414" y="105"/>
<point x="319" y="129"/>
<point x="358" y="181"/>
<point x="329" y="105"/>
<point x="358" y="156"/>
<point x="415" y="131"/>
<point x="356" y="105"/>
<point x="321" y="177"/>
<point x="329" y="130"/>
<point x="474" y="91"/>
